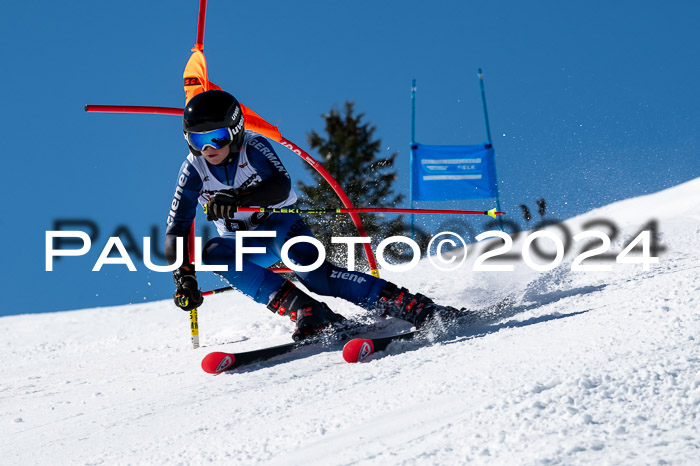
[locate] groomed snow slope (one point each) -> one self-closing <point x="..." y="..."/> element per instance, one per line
<point x="579" y="367"/>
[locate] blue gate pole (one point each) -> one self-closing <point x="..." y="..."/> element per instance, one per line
<point x="413" y="139"/>
<point x="490" y="141"/>
<point x="483" y="104"/>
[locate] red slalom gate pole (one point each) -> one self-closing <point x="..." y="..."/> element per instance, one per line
<point x="200" y="25"/>
<point x="194" y="321"/>
<point x="134" y="109"/>
<point x="374" y="269"/>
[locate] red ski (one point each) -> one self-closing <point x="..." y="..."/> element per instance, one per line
<point x="218" y="362"/>
<point x="359" y="349"/>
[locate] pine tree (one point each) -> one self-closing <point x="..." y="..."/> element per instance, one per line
<point x="350" y="153"/>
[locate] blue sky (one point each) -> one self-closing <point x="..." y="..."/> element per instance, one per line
<point x="590" y="102"/>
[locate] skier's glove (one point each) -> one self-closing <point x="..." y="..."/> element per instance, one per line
<point x="222" y="205"/>
<point x="187" y="295"/>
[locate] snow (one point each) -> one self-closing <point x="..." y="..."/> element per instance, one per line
<point x="578" y="367"/>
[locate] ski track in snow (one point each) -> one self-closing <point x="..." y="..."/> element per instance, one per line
<point x="592" y="368"/>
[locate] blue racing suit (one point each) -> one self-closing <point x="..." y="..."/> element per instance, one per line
<point x="258" y="170"/>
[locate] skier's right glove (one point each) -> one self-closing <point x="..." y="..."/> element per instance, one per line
<point x="187" y="295"/>
<point x="224" y="203"/>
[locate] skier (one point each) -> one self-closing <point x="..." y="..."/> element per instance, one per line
<point x="229" y="166"/>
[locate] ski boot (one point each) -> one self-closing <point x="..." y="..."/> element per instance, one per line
<point x="414" y="308"/>
<point x="310" y="316"/>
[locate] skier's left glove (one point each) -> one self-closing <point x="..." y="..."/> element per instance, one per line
<point x="224" y="203"/>
<point x="187" y="295"/>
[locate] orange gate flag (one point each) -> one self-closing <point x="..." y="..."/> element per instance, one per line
<point x="197" y="81"/>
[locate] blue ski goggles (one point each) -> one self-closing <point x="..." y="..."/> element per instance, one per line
<point x="216" y="139"/>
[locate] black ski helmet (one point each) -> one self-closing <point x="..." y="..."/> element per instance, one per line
<point x="212" y="110"/>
